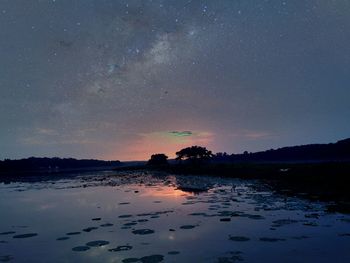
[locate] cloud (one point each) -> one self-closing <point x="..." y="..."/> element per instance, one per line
<point x="181" y="133"/>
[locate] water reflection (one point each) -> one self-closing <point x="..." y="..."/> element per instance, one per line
<point x="152" y="218"/>
<point x="165" y="193"/>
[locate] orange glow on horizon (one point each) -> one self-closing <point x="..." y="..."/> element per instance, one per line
<point x="161" y="142"/>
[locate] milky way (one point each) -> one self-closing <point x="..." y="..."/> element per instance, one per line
<point x="125" y="79"/>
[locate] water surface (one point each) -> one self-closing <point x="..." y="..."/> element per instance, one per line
<point x="149" y="217"/>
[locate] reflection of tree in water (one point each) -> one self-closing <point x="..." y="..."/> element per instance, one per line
<point x="194" y="184"/>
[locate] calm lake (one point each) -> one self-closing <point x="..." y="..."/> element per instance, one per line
<point x="150" y="217"/>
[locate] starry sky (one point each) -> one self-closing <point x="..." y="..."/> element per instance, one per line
<point x="113" y="79"/>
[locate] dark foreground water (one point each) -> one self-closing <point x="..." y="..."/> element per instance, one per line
<point x="140" y="217"/>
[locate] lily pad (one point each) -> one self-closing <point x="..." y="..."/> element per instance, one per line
<point x="120" y="248"/>
<point x="125" y="216"/>
<point x="62" y="238"/>
<point x="239" y="238"/>
<point x="106" y="225"/>
<point x="130" y="224"/>
<point x="130" y="260"/>
<point x="6" y="258"/>
<point x="80" y="248"/>
<point x="26" y="235"/>
<point x="283" y="222"/>
<point x="143" y="231"/>
<point x="73" y="233"/>
<point x="89" y="229"/>
<point x="271" y="239"/>
<point x="97" y="243"/>
<point x="152" y="259"/>
<point x="187" y="226"/>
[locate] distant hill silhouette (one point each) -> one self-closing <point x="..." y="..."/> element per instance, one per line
<point x="52" y="164"/>
<point x="339" y="151"/>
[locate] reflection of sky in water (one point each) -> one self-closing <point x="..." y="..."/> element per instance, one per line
<point x="196" y="225"/>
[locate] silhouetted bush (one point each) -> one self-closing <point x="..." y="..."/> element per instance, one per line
<point x="158" y="159"/>
<point x="194" y="154"/>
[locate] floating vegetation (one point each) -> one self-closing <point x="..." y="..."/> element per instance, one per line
<point x="310" y="224"/>
<point x="106" y="225"/>
<point x="198" y="214"/>
<point x="213" y="217"/>
<point x="130" y="260"/>
<point x="89" y="229"/>
<point x="143" y="231"/>
<point x="239" y="238"/>
<point x="62" y="238"/>
<point x="73" y="233"/>
<point x="234" y="256"/>
<point x="271" y="239"/>
<point x="6" y="258"/>
<point x="130" y="224"/>
<point x="80" y="248"/>
<point x="26" y="235"/>
<point x="156" y="213"/>
<point x="300" y="237"/>
<point x="120" y="248"/>
<point x="257" y="217"/>
<point x="152" y="259"/>
<point x="125" y="216"/>
<point x="283" y="222"/>
<point x="97" y="243"/>
<point x="187" y="226"/>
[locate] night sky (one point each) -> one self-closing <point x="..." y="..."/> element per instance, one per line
<point x="124" y="79"/>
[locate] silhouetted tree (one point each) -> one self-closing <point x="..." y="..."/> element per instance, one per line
<point x="158" y="159"/>
<point x="194" y="154"/>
